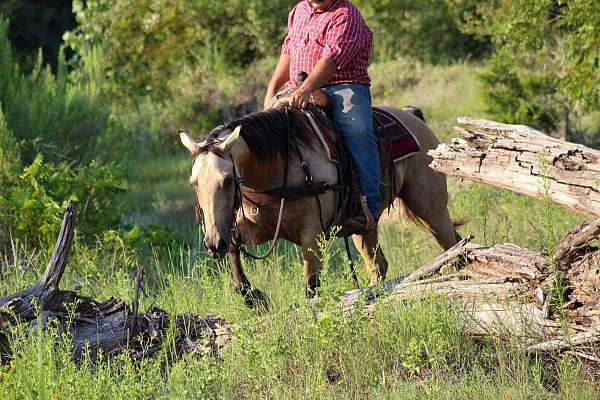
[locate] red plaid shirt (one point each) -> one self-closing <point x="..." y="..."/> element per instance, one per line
<point x="339" y="33"/>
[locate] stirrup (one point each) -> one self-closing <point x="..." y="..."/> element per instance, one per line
<point x="370" y="220"/>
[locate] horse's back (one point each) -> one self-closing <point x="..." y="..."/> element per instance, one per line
<point x="415" y="182"/>
<point x="424" y="134"/>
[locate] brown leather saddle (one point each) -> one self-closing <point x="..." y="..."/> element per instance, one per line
<point x="395" y="139"/>
<point x="396" y="142"/>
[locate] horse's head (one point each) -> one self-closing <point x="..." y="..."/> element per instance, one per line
<point x="216" y="186"/>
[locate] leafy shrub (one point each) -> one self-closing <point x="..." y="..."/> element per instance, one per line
<point x="520" y="94"/>
<point x="35" y="199"/>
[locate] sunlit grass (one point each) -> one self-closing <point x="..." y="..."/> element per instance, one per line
<point x="413" y="349"/>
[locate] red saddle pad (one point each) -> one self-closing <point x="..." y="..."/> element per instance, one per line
<point x="402" y="142"/>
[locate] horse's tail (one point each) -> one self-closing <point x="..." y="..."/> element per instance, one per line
<point x="416" y="111"/>
<point x="405" y="213"/>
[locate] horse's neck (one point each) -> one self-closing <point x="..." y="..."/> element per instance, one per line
<point x="260" y="176"/>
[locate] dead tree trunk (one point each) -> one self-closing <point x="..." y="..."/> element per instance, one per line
<point x="524" y="160"/>
<point x="109" y="326"/>
<point x="507" y="290"/>
<point x="550" y="303"/>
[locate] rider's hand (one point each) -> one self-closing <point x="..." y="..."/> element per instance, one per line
<point x="300" y="98"/>
<point x="268" y="102"/>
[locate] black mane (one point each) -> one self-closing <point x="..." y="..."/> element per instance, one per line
<point x="265" y="132"/>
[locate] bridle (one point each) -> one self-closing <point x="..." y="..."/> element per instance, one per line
<point x="311" y="189"/>
<point x="238" y="196"/>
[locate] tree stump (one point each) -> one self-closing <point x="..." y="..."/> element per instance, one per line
<point x="109" y="326"/>
<point x="505" y="290"/>
<point x="550" y="303"/>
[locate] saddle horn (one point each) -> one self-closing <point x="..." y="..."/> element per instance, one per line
<point x="301" y="77"/>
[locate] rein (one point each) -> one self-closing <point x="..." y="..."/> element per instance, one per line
<point x="281" y="195"/>
<point x="239" y="198"/>
<point x="239" y="194"/>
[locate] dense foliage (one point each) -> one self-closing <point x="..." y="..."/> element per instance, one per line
<point x="37" y="197"/>
<point x="427" y="30"/>
<point x="193" y="59"/>
<point x="147" y="43"/>
<point x="48" y="131"/>
<point x="546" y="60"/>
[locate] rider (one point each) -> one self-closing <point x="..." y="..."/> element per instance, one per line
<point x="330" y="41"/>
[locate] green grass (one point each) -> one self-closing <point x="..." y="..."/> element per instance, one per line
<point x="410" y="350"/>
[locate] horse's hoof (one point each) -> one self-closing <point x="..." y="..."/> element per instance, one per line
<point x="256" y="299"/>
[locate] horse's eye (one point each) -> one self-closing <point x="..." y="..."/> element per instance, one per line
<point x="227" y="182"/>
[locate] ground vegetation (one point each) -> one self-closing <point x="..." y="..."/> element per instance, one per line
<point x="98" y="126"/>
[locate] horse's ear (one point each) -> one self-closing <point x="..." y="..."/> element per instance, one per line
<point x="188" y="142"/>
<point x="228" y="143"/>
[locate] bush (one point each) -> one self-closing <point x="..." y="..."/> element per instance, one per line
<point x="520" y="94"/>
<point x="48" y="112"/>
<point x="35" y="199"/>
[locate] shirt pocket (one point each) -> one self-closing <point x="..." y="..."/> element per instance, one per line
<point x="316" y="37"/>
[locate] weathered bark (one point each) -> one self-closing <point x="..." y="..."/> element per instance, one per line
<point x="505" y="290"/>
<point x="109" y="326"/>
<point x="524" y="160"/>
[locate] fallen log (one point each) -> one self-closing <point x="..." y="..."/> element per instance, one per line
<point x="109" y="326"/>
<point x="523" y="160"/>
<point x="549" y="303"/>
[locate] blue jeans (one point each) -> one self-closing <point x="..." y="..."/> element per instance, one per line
<point x="351" y="112"/>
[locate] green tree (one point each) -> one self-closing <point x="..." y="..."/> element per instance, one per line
<point x="146" y="45"/>
<point x="428" y="30"/>
<point x="545" y="64"/>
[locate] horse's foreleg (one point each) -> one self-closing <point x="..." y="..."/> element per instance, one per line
<point x="367" y="244"/>
<point x="252" y="297"/>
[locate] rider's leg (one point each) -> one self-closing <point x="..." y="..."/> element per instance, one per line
<point x="351" y="111"/>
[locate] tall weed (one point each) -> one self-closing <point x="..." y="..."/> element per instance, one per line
<point x="48" y="112"/>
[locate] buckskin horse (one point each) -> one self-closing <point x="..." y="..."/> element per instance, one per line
<point x="262" y="151"/>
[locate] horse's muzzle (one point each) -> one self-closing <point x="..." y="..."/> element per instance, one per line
<point x="217" y="251"/>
